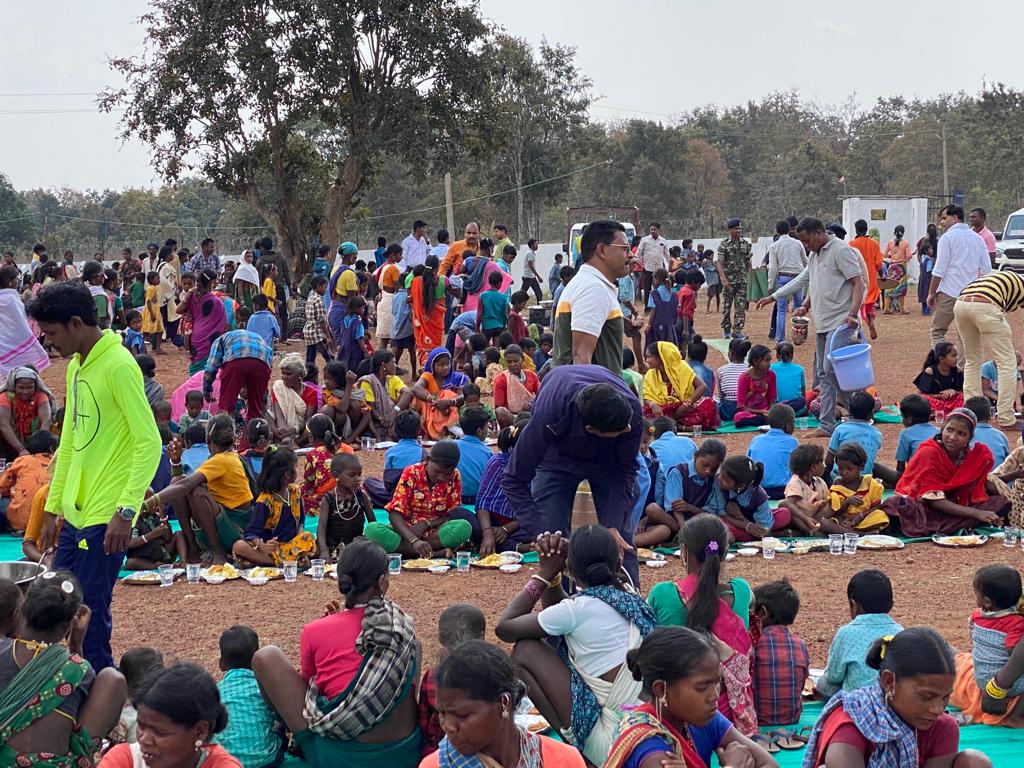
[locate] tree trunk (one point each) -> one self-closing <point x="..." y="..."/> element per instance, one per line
<point x="339" y="201"/>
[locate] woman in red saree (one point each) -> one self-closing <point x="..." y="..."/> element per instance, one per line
<point x="426" y="294"/>
<point x="945" y="486"/>
<point x="679" y="720"/>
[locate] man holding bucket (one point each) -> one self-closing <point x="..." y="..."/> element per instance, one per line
<point x="836" y="279"/>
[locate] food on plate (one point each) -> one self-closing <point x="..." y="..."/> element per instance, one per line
<point x="645" y="554"/>
<point x="970" y="540"/>
<point x="879" y="541"/>
<point x="422" y="563"/>
<point x="492" y="561"/>
<point x="143" y="577"/>
<point x="537" y="726"/>
<point x="225" y="570"/>
<point x="261" y="572"/>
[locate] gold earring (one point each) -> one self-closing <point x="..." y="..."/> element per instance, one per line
<point x="199" y="744"/>
<point x="888" y="698"/>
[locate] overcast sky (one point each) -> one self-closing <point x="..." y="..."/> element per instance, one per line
<point x="647" y="58"/>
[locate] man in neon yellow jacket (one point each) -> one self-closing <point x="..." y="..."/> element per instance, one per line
<point x="108" y="455"/>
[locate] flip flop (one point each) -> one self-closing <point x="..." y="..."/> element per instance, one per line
<point x="804" y="734"/>
<point x="785" y="739"/>
<point x="766" y="742"/>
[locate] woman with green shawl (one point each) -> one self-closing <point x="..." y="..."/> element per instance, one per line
<point x="54" y="708"/>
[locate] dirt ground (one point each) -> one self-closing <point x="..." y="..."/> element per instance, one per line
<point x="932" y="585"/>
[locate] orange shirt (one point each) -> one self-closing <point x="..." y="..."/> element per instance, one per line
<point x="35" y="520"/>
<point x="872" y="256"/>
<point x="453" y="259"/>
<point x="24" y="476"/>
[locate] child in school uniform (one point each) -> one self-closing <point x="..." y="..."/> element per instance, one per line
<point x="344" y="510"/>
<point x="781" y="659"/>
<point x="917" y="427"/>
<point x="984" y="432"/>
<point x="253" y="735"/>
<point x="738" y="498"/>
<point x="806" y="493"/>
<point x="856" y="497"/>
<point x="134" y="341"/>
<point x="457" y="624"/>
<point x="473" y="452"/>
<point x="869" y="595"/>
<point x="406" y="452"/>
<point x="859" y="429"/>
<point x="989" y="684"/>
<point x="773" y="449"/>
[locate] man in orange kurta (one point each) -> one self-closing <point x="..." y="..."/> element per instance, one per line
<point x="872" y="255"/>
<point x="452" y="261"/>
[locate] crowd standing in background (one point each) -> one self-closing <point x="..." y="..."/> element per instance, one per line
<point x="258" y="440"/>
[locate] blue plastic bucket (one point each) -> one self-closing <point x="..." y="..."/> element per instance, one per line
<point x="852" y="364"/>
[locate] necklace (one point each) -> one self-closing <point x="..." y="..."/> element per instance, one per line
<point x="33" y="645"/>
<point x="337" y="508"/>
<point x="287" y="502"/>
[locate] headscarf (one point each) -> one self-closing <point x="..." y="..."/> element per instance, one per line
<point x="246" y="272"/>
<point x="475" y="282"/>
<point x="25" y="372"/>
<point x="680" y="375"/>
<point x="293" y="407"/>
<point x="454" y="379"/>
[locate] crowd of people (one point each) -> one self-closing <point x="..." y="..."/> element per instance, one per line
<point x="232" y="463"/>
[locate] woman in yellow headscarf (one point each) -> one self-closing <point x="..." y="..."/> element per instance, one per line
<point x="672" y="389"/>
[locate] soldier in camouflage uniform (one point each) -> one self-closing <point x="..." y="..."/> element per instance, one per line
<point x="733" y="263"/>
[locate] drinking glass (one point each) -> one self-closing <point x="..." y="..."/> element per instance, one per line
<point x="698" y="430"/>
<point x="291" y="570"/>
<point x="368" y="443"/>
<point x="462" y="561"/>
<point x="768" y="546"/>
<point x="835" y="543"/>
<point x="192" y="572"/>
<point x="850" y="543"/>
<point x="166" y="575"/>
<point x="394" y="565"/>
<point x="1010" y="534"/>
<point x="316" y="569"/>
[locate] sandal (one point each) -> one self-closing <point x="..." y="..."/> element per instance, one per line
<point x="766" y="742"/>
<point x="804" y="734"/>
<point x="784" y="738"/>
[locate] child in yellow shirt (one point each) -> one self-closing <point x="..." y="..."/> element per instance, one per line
<point x="856" y="498"/>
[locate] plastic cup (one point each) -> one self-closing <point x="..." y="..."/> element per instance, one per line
<point x="367" y="443"/>
<point x="768" y="548"/>
<point x="166" y="575"/>
<point x="394" y="565"/>
<point x="192" y="572"/>
<point x="698" y="430"/>
<point x="1010" y="535"/>
<point x="462" y="562"/>
<point x="291" y="570"/>
<point x="835" y="543"/>
<point x="316" y="569"/>
<point x="850" y="543"/>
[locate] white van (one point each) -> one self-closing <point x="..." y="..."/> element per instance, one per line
<point x="1010" y="250"/>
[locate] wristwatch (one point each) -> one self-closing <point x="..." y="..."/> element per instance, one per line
<point x="125" y="513"/>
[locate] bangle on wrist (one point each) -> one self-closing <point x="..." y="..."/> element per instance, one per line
<point x="541" y="579"/>
<point x="993" y="690"/>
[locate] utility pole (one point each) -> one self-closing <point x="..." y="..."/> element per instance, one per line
<point x="449" y="208"/>
<point x="945" y="163"/>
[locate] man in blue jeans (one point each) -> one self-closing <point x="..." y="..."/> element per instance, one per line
<point x="108" y="455"/>
<point x="786" y="260"/>
<point x="585" y="424"/>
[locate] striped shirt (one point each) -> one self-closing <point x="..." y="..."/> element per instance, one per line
<point x="589" y="304"/>
<point x="728" y="380"/>
<point x="1004" y="289"/>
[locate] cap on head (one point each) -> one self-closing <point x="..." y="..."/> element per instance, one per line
<point x="733" y="223"/>
<point x="348" y="249"/>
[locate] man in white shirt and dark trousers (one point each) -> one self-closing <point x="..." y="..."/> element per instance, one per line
<point x="786" y="260"/>
<point x="962" y="258"/>
<point x="531" y="277"/>
<point x="652" y="252"/>
<point x="415" y="247"/>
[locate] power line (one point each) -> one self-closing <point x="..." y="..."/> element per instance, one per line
<point x="32" y="95"/>
<point x="487" y="197"/>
